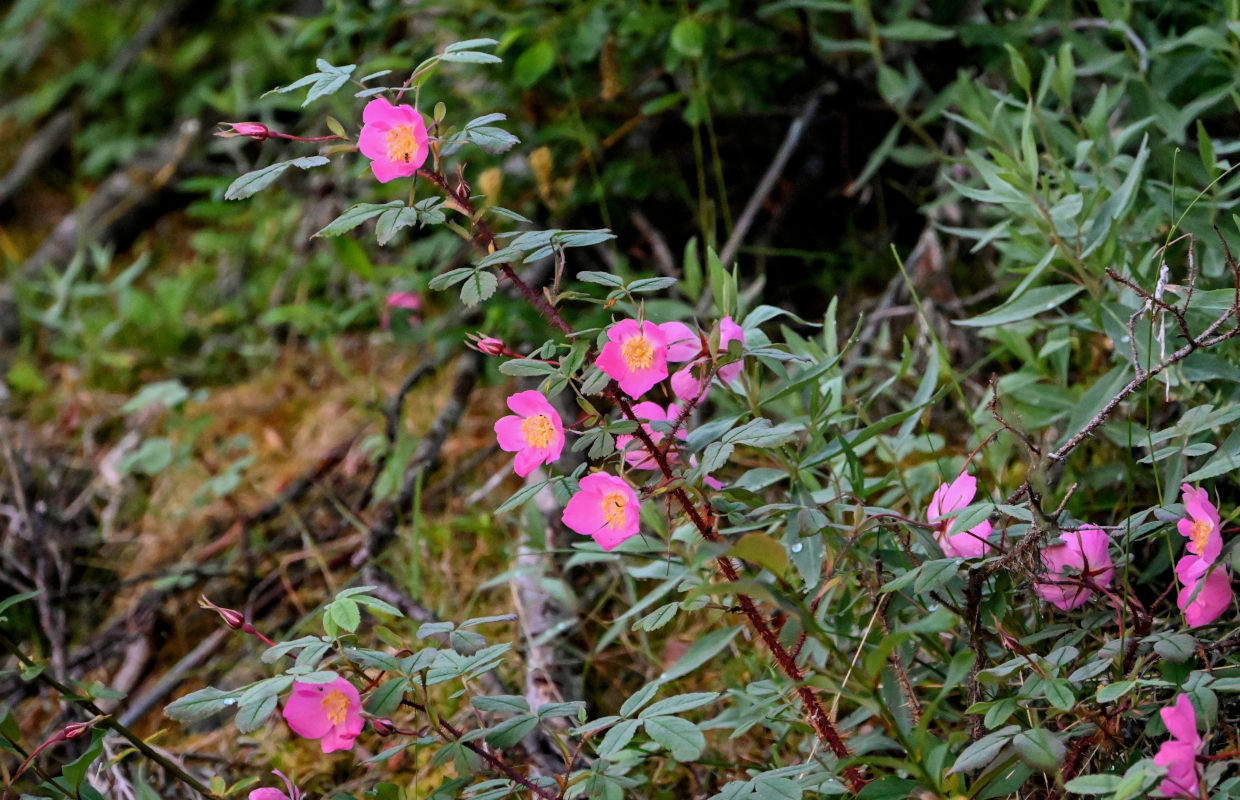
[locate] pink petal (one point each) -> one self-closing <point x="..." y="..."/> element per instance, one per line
<point x="337" y="739"/>
<point x="935" y="509"/>
<point x="531" y="402"/>
<point x="622" y="330"/>
<point x="728" y="373"/>
<point x="1065" y="598"/>
<point x="729" y="332"/>
<point x="638" y="382"/>
<point x="508" y="433"/>
<point x="584" y="513"/>
<point x="385" y="170"/>
<point x="686" y="387"/>
<point x="1181" y="720"/>
<point x="1189" y="569"/>
<point x="1197" y="503"/>
<point x="381" y="111"/>
<point x="528" y="459"/>
<point x="267" y="793"/>
<point x="557" y="441"/>
<point x="304" y="711"/>
<point x="611" y="360"/>
<point x="372" y="142"/>
<point x="960" y="493"/>
<point x="683" y="344"/>
<point x="1205" y="601"/>
<point x="969" y="544"/>
<point x="651" y="411"/>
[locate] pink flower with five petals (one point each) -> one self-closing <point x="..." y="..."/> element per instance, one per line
<point x="606" y="508"/>
<point x="330" y="712"/>
<point x="635" y="355"/>
<point x="535" y="433"/>
<point x="394" y="138"/>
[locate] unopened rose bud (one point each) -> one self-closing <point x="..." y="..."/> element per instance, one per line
<point x="383" y="727"/>
<point x="254" y="130"/>
<point x="488" y="345"/>
<point x="75" y="729"/>
<point x="232" y="619"/>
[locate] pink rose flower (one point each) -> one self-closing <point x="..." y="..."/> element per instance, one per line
<point x="689" y="383"/>
<point x="1179" y="753"/>
<point x="1074" y="565"/>
<point x="635" y="356"/>
<point x="605" y="508"/>
<point x="394" y="138"/>
<point x="535" y="434"/>
<point x="331" y="712"/>
<point x="1205" y="592"/>
<point x="1200" y="527"/>
<point x="634" y="452"/>
<point x="951" y="497"/>
<point x="268" y="793"/>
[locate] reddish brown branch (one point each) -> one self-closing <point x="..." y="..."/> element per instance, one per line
<point x="815" y="713"/>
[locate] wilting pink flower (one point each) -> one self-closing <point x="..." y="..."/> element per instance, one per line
<point x="535" y="434"/>
<point x="1205" y="592"/>
<point x="689" y="383"/>
<point x="951" y="497"/>
<point x="1179" y="753"/>
<point x="635" y="355"/>
<point x="394" y="138"/>
<point x="254" y="130"/>
<point x="331" y="712"/>
<point x="1079" y="561"/>
<point x="269" y="793"/>
<point x="606" y="508"/>
<point x="634" y="452"/>
<point x="1201" y="527"/>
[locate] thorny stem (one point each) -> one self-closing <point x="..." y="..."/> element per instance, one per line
<point x="815" y="713"/>
<point x="109" y="722"/>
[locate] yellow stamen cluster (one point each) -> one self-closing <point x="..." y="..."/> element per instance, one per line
<point x="402" y="144"/>
<point x="1200" y="533"/>
<point x="614" y="509"/>
<point x="336" y="705"/>
<point x="637" y="352"/>
<point x="537" y="430"/>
